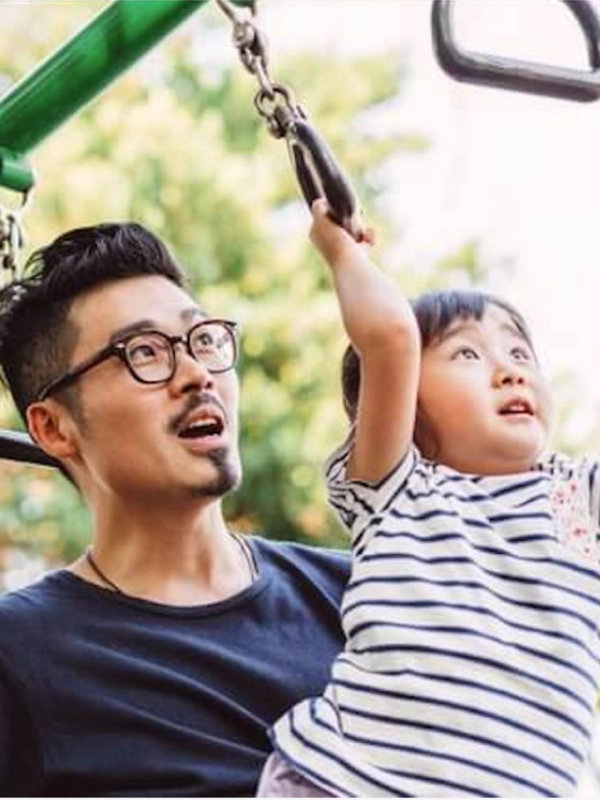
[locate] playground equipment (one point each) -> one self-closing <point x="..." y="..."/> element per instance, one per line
<point x="127" y="29"/>
<point x="515" y="74"/>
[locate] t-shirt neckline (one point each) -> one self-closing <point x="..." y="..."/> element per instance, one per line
<point x="66" y="577"/>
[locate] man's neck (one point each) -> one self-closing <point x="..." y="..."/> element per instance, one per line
<point x="181" y="559"/>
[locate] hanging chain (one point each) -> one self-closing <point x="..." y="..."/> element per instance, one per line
<point x="317" y="171"/>
<point x="250" y="42"/>
<point x="274" y="101"/>
<point x="12" y="240"/>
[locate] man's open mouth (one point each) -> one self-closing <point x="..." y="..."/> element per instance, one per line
<point x="201" y="426"/>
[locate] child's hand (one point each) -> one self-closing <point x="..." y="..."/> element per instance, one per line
<point x="334" y="243"/>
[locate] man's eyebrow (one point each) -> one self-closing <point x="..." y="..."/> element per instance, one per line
<point x="187" y="316"/>
<point x="132" y="328"/>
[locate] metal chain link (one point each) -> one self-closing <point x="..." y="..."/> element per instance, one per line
<point x="250" y="42"/>
<point x="274" y="101"/>
<point x="12" y="239"/>
<point x="317" y="171"/>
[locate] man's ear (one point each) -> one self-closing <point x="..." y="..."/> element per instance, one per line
<point x="53" y="428"/>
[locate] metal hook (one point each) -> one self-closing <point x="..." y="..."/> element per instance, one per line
<point x="515" y="74"/>
<point x="316" y="169"/>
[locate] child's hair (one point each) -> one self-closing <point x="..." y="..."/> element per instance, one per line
<point x="36" y="338"/>
<point x="435" y="312"/>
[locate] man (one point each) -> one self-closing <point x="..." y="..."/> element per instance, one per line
<point x="154" y="663"/>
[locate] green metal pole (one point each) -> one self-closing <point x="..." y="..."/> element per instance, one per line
<point x="84" y="66"/>
<point x="110" y="43"/>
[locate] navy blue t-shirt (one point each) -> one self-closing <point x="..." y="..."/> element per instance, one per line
<point x="101" y="694"/>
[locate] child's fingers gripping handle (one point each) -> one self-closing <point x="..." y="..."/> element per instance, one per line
<point x="333" y="241"/>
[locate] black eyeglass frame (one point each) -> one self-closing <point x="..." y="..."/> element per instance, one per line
<point x="119" y="349"/>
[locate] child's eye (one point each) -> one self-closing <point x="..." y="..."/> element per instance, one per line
<point x="466" y="353"/>
<point x="520" y="354"/>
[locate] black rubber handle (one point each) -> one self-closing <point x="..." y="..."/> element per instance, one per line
<point x="319" y="175"/>
<point x="515" y="74"/>
<point x="18" y="447"/>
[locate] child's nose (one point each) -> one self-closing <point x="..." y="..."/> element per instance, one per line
<point x="508" y="376"/>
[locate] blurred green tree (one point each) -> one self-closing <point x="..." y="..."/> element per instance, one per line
<point x="177" y="145"/>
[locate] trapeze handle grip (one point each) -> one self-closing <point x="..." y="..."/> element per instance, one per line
<point x="320" y="176"/>
<point x="20" y="448"/>
<point x="515" y="74"/>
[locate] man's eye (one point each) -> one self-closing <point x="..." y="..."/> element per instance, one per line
<point x="206" y="340"/>
<point x="466" y="353"/>
<point x="144" y="352"/>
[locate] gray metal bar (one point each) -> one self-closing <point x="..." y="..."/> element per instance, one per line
<point x="515" y="74"/>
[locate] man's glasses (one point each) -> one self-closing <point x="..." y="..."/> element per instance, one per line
<point x="150" y="356"/>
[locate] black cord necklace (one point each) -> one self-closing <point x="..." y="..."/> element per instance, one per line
<point x="92" y="563"/>
<point x="247" y="553"/>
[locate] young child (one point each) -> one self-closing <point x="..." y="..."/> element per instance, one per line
<point x="471" y="617"/>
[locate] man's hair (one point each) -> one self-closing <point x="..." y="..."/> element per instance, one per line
<point x="36" y="338"/>
<point x="435" y="313"/>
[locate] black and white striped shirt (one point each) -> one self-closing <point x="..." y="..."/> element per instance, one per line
<point x="472" y="651"/>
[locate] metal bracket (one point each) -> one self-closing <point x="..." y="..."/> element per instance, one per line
<point x="15" y="172"/>
<point x="515" y="74"/>
<point x="317" y="170"/>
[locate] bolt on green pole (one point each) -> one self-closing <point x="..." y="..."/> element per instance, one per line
<point x="76" y="73"/>
<point x="15" y="172"/>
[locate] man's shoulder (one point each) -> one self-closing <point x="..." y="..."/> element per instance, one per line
<point x="30" y="617"/>
<point x="318" y="564"/>
<point x="301" y="553"/>
<point x="23" y="599"/>
<point x="31" y="606"/>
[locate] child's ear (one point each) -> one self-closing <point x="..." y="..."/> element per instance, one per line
<point x="52" y="428"/>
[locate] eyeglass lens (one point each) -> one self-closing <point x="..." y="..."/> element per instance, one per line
<point x="151" y="355"/>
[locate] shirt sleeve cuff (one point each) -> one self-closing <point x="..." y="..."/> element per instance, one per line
<point x="356" y="500"/>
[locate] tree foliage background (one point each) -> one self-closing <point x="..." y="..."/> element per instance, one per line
<point x="176" y="144"/>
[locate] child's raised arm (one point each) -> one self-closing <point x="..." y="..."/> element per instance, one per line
<point x="383" y="330"/>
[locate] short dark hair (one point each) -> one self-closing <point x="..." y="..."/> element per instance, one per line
<point x="435" y="312"/>
<point x="36" y="338"/>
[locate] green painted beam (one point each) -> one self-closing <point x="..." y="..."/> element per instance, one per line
<point x="76" y="73"/>
<point x="113" y="40"/>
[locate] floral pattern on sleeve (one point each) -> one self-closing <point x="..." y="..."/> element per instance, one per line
<point x="575" y="526"/>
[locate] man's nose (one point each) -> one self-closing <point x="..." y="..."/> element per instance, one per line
<point x="190" y="374"/>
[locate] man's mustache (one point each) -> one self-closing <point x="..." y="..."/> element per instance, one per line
<point x="193" y="402"/>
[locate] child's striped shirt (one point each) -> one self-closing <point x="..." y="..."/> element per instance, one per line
<point x="471" y="617"/>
